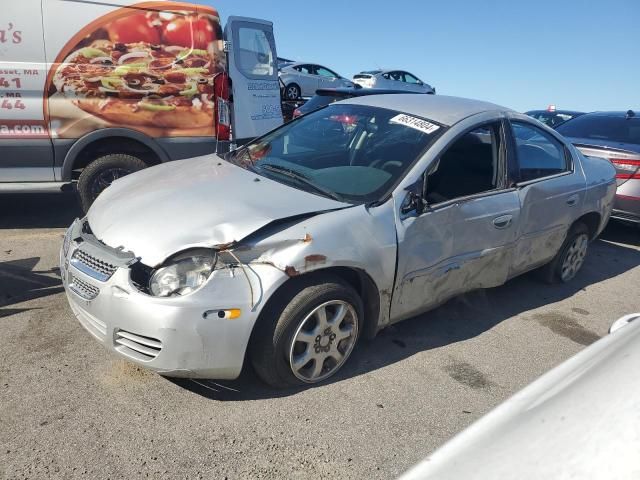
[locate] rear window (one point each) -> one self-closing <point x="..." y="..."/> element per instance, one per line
<point x="362" y="76"/>
<point x="598" y="127"/>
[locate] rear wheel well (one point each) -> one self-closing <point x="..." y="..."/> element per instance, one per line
<point x="111" y="145"/>
<point x="592" y="221"/>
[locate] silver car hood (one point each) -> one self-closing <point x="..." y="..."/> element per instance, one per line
<point x="200" y="202"/>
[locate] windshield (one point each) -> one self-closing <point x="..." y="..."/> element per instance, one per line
<point x="352" y="153"/>
<point x="601" y="127"/>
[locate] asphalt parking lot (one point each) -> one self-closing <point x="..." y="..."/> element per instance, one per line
<point x="71" y="409"/>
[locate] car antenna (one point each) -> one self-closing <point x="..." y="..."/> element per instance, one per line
<point x="630" y="114"/>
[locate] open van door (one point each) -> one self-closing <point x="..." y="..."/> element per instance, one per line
<point x="253" y="69"/>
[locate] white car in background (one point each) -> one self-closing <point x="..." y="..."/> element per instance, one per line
<point x="303" y="79"/>
<point x="578" y="421"/>
<point x="392" y="79"/>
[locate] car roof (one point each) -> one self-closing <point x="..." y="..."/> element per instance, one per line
<point x="616" y="113"/>
<point x="359" y="92"/>
<point x="440" y="108"/>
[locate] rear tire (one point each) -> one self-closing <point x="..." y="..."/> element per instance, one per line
<point x="570" y="258"/>
<point x="291" y="338"/>
<point x="100" y="173"/>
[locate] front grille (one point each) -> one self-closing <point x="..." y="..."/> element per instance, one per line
<point x="82" y="288"/>
<point x="92" y="266"/>
<point x="137" y="346"/>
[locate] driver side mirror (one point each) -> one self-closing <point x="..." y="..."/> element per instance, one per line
<point x="415" y="199"/>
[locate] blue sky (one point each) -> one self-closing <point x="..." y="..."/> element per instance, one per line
<point x="576" y="54"/>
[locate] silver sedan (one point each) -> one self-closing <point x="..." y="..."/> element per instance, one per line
<point x="327" y="230"/>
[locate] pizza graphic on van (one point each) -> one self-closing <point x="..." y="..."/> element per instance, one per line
<point x="151" y="70"/>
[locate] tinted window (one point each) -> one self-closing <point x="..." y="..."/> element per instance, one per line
<point x="353" y="151"/>
<point x="325" y="72"/>
<point x="308" y="69"/>
<point x="539" y="154"/>
<point x="255" y="53"/>
<point x="600" y="127"/>
<point x="551" y="119"/>
<point x="397" y="76"/>
<point x="410" y="78"/>
<point x="468" y="167"/>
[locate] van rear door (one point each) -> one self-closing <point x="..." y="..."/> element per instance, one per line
<point x="26" y="153"/>
<point x="253" y="69"/>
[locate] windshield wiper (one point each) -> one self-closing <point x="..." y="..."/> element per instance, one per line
<point x="301" y="177"/>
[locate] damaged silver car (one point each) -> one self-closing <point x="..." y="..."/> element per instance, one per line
<point x="290" y="249"/>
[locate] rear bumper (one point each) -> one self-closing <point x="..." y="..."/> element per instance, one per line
<point x="627" y="202"/>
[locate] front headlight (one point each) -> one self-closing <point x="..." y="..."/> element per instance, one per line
<point x="183" y="274"/>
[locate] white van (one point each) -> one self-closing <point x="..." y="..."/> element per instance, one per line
<point x="92" y="90"/>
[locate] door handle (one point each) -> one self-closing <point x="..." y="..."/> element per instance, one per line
<point x="572" y="200"/>
<point x="504" y="221"/>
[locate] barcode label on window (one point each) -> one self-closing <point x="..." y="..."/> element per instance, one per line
<point x="414" y="122"/>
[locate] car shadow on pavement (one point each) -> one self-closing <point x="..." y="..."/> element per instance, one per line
<point x="619" y="232"/>
<point x="19" y="282"/>
<point x="459" y="319"/>
<point x="41" y="210"/>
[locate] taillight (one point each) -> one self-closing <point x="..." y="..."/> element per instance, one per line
<point x="222" y="113"/>
<point x="626" y="168"/>
<point x="297" y="113"/>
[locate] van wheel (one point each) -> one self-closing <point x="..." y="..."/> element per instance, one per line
<point x="570" y="258"/>
<point x="102" y="172"/>
<point x="292" y="92"/>
<point x="308" y="333"/>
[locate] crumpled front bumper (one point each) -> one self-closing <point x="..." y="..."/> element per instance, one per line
<point x="182" y="336"/>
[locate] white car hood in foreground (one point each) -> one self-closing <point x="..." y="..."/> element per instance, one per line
<point x="579" y="421"/>
<point x="200" y="202"/>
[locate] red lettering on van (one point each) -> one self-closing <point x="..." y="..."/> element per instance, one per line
<point x="6" y="34"/>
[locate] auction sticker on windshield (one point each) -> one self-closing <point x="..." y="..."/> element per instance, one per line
<point x="414" y="122"/>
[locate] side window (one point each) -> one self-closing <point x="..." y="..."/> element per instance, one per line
<point x="397" y="76"/>
<point x="308" y="69"/>
<point x="468" y="167"/>
<point x="325" y="72"/>
<point x="255" y="52"/>
<point x="410" y="78"/>
<point x="539" y="154"/>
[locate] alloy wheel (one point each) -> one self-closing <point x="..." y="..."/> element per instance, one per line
<point x="574" y="258"/>
<point x="323" y="341"/>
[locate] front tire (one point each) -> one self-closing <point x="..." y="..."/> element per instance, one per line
<point x="100" y="173"/>
<point x="308" y="333"/>
<point x="570" y="258"/>
<point x="292" y="92"/>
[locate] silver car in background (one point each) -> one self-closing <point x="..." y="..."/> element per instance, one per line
<point x="329" y="228"/>
<point x="616" y="137"/>
<point x="580" y="420"/>
<point x="303" y="79"/>
<point x="393" y="80"/>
